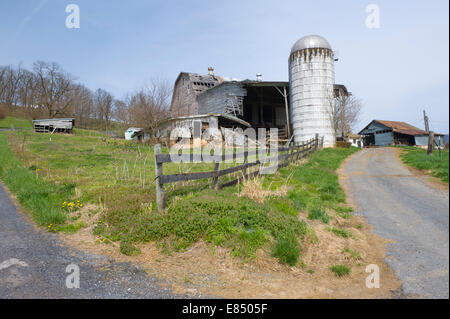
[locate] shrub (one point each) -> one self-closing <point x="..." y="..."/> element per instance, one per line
<point x="343" y="144"/>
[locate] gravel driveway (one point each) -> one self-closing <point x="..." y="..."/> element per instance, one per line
<point x="33" y="265"/>
<point x="408" y="211"/>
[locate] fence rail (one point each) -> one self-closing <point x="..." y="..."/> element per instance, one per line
<point x="292" y="152"/>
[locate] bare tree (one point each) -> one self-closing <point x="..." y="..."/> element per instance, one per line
<point x="54" y="88"/>
<point x="10" y="78"/>
<point x="104" y="104"/>
<point x="82" y="105"/>
<point x="150" y="105"/>
<point x="345" y="109"/>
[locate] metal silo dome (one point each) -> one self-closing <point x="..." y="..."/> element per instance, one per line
<point x="309" y="42"/>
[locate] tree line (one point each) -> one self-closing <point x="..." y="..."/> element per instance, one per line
<point x="48" y="91"/>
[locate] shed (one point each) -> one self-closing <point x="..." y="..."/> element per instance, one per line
<point x="383" y="133"/>
<point x="63" y="125"/>
<point x="130" y="132"/>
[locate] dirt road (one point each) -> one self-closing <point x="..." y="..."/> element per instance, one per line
<point x="408" y="211"/>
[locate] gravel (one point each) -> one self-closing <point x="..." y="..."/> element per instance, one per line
<point x="407" y="210"/>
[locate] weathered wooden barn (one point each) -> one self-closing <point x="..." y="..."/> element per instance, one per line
<point x="262" y="104"/>
<point x="186" y="90"/>
<point x="383" y="133"/>
<point x="63" y="125"/>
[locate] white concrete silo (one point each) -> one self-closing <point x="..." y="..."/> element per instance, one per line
<point x="311" y="80"/>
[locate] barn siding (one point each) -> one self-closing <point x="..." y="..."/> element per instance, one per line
<point x="215" y="100"/>
<point x="422" y="140"/>
<point x="384" y="139"/>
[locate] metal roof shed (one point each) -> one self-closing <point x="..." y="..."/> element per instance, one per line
<point x="62" y="125"/>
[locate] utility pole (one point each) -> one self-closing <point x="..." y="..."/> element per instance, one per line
<point x="425" y="119"/>
<point x="430" y="134"/>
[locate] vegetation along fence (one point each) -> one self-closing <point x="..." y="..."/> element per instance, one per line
<point x="286" y="155"/>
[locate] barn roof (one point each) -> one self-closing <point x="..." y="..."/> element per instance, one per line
<point x="400" y="127"/>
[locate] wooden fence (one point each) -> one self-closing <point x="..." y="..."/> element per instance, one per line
<point x="292" y="153"/>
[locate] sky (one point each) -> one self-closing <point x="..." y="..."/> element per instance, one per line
<point x="397" y="70"/>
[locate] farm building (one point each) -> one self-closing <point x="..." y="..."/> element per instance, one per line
<point x="64" y="125"/>
<point x="355" y="140"/>
<point x="130" y="132"/>
<point x="262" y="104"/>
<point x="300" y="107"/>
<point x="186" y="90"/>
<point x="383" y="133"/>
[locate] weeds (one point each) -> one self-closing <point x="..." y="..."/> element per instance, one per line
<point x="319" y="213"/>
<point x="287" y="249"/>
<point x="340" y="270"/>
<point x="340" y="232"/>
<point x="353" y="253"/>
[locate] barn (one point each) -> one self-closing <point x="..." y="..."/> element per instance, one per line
<point x="383" y="133"/>
<point x="262" y="104"/>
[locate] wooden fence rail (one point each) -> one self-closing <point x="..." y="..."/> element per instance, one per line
<point x="293" y="152"/>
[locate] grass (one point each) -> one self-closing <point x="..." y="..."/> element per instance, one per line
<point x="340" y="232"/>
<point x="353" y="253"/>
<point x="117" y="176"/>
<point x="287" y="249"/>
<point x="10" y="121"/>
<point x="319" y="213"/>
<point x="436" y="164"/>
<point x="340" y="270"/>
<point x="42" y="199"/>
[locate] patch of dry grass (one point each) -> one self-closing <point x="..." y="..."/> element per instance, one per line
<point x="253" y="189"/>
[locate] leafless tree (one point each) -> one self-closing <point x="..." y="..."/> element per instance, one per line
<point x="82" y="105"/>
<point x="345" y="109"/>
<point x="104" y="104"/>
<point x="10" y="78"/>
<point x="54" y="88"/>
<point x="150" y="105"/>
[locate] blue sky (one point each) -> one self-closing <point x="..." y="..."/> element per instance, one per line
<point x="397" y="70"/>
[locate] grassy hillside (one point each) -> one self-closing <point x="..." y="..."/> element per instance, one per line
<point x="435" y="164"/>
<point x="9" y="122"/>
<point x="57" y="179"/>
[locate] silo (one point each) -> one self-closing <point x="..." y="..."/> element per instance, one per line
<point x="311" y="80"/>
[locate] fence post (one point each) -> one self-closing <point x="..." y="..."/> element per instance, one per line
<point x="215" y="179"/>
<point x="430" y="143"/>
<point x="244" y="170"/>
<point x="160" y="195"/>
<point x="316" y="142"/>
